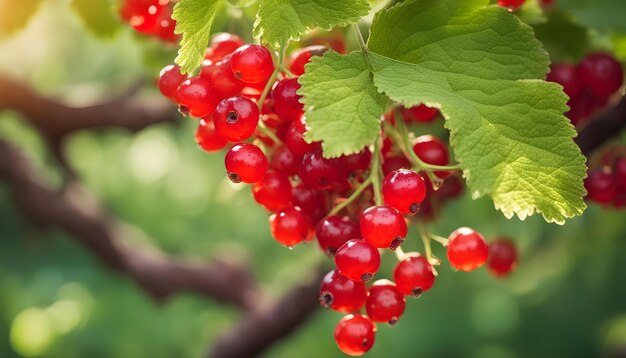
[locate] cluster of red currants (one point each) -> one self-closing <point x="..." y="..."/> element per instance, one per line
<point x="607" y="185"/>
<point x="516" y="4"/>
<point x="354" y="205"/>
<point x="589" y="85"/>
<point x="150" y="17"/>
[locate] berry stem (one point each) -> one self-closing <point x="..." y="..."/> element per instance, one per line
<point x="268" y="133"/>
<point x="400" y="255"/>
<point x="424" y="234"/>
<point x="357" y="192"/>
<point x="286" y="70"/>
<point x="272" y="79"/>
<point x="363" y="45"/>
<point x="442" y="240"/>
<point x="375" y="173"/>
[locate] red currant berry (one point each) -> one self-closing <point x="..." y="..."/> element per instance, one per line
<point x="295" y="139"/>
<point x="467" y="249"/>
<point x="207" y="138"/>
<point x="601" y="73"/>
<point x="358" y="162"/>
<point x="221" y="78"/>
<point x="433" y="151"/>
<point x="355" y="334"/>
<point x="142" y="15"/>
<point x="404" y="190"/>
<point x="334" y="231"/>
<point x="321" y="173"/>
<point x="166" y="26"/>
<point x="196" y="98"/>
<point x="383" y="226"/>
<point x="303" y="56"/>
<point x="284" y="161"/>
<point x="357" y="260"/>
<point x="511" y="4"/>
<point x="414" y="275"/>
<point x="289" y="226"/>
<point x="312" y="202"/>
<point x="567" y="76"/>
<point x="423" y="113"/>
<point x="601" y="187"/>
<point x="236" y="118"/>
<point x="169" y="80"/>
<point x="451" y="188"/>
<point x="392" y="164"/>
<point x="620" y="172"/>
<point x="581" y="108"/>
<point x="502" y="257"/>
<point x="341" y="293"/>
<point x="384" y="302"/>
<point x="245" y="163"/>
<point x="252" y="63"/>
<point x="286" y="101"/>
<point x="273" y="191"/>
<point x="222" y="45"/>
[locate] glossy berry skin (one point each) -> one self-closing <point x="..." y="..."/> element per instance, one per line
<point x="169" y="80"/>
<point x="467" y="249"/>
<point x="252" y="63"/>
<point x="502" y="257"/>
<point x="273" y="191"/>
<point x="357" y="260"/>
<point x="284" y="161"/>
<point x="295" y="141"/>
<point x="222" y="45"/>
<point x="602" y="187"/>
<point x="321" y="173"/>
<point x="422" y="113"/>
<point x="221" y="78"/>
<point x="581" y="108"/>
<point x="601" y="73"/>
<point x="312" y="202"/>
<point x="142" y="15"/>
<point x="286" y="101"/>
<point x="414" y="276"/>
<point x="355" y="334"/>
<point x="383" y="226"/>
<point x="620" y="172"/>
<point x="334" y="231"/>
<point x="567" y="76"/>
<point x="391" y="164"/>
<point x="511" y="4"/>
<point x="236" y="118"/>
<point x="341" y="293"/>
<point x="432" y="150"/>
<point x="207" y="138"/>
<point x="404" y="190"/>
<point x="289" y="226"/>
<point x="300" y="58"/>
<point x="384" y="302"/>
<point x="358" y="162"/>
<point x="245" y="163"/>
<point x="196" y="98"/>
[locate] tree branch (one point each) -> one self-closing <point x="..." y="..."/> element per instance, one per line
<point x="602" y="128"/>
<point x="74" y="211"/>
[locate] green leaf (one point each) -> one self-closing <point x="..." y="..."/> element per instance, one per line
<point x="563" y="38"/>
<point x="343" y="106"/>
<point x="606" y="15"/>
<point x="14" y="15"/>
<point x="97" y="16"/>
<point x="279" y="21"/>
<point x="193" y="19"/>
<point x="483" y="68"/>
<point x="241" y="3"/>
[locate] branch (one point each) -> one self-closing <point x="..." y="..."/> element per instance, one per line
<point x="604" y="127"/>
<point x="260" y="329"/>
<point x="74" y="211"/>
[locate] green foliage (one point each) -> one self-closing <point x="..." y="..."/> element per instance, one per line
<point x="279" y="21"/>
<point x="482" y="67"/>
<point x="606" y="15"/>
<point x="14" y="15"/>
<point x="97" y="16"/>
<point x="242" y="3"/>
<point x="194" y="19"/>
<point x="563" y="38"/>
<point x="344" y="107"/>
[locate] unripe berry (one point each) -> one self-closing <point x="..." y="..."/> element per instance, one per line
<point x="404" y="190"/>
<point x="357" y="260"/>
<point x="414" y="275"/>
<point x="355" y="334"/>
<point x="341" y="293"/>
<point x="502" y="257"/>
<point x="245" y="163"/>
<point x="334" y="231"/>
<point x="289" y="226"/>
<point x="384" y="302"/>
<point x="236" y="118"/>
<point x="467" y="249"/>
<point x="383" y="226"/>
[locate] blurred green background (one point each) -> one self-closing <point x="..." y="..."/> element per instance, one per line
<point x="567" y="298"/>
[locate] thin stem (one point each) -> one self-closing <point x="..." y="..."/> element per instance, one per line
<point x="268" y="133"/>
<point x="400" y="255"/>
<point x="442" y="240"/>
<point x="357" y="192"/>
<point x="363" y="46"/>
<point x="427" y="249"/>
<point x="270" y="82"/>
<point x="286" y="70"/>
<point x="375" y="173"/>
